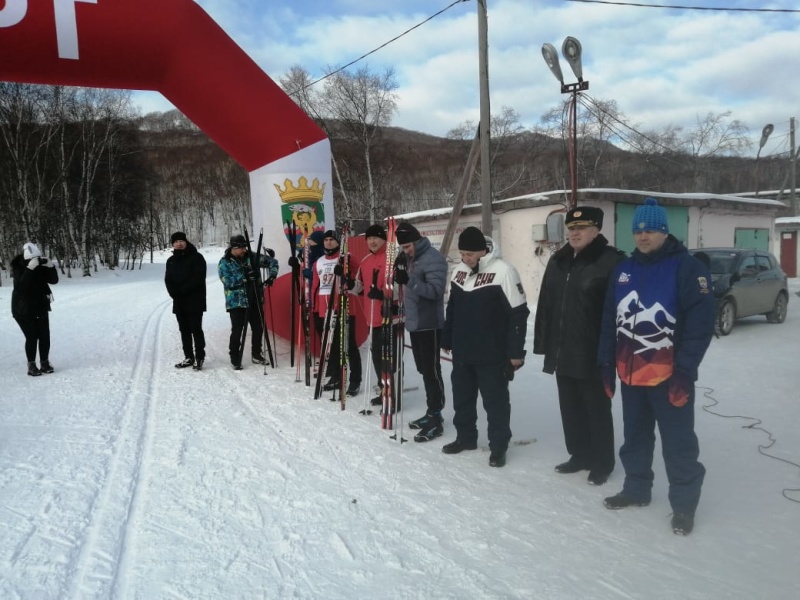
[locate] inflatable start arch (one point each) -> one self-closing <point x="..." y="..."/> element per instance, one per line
<point x="174" y="47"/>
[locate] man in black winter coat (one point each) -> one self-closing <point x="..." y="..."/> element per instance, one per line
<point x="185" y="278"/>
<point x="30" y="304"/>
<point x="567" y="332"/>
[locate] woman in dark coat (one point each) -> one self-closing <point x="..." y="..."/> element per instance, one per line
<point x="185" y="278"/>
<point x="567" y="332"/>
<point x="30" y="304"/>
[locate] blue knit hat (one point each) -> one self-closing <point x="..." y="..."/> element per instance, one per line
<point x="650" y="217"/>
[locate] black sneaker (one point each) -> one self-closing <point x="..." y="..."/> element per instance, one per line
<point x="330" y="385"/>
<point x="432" y="429"/>
<point x="377" y="401"/>
<point x="33" y="370"/>
<point x="622" y="501"/>
<point x="198" y="364"/>
<point x="354" y="389"/>
<point x="186" y="362"/>
<point x="422" y="422"/>
<point x="458" y="446"/>
<point x="569" y="467"/>
<point x="259" y="359"/>
<point x="497" y="459"/>
<point x="237" y="367"/>
<point x="46" y="367"/>
<point x="682" y="523"/>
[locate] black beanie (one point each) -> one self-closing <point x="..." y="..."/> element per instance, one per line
<point x="331" y="234"/>
<point x="375" y="231"/>
<point x="238" y="241"/>
<point x="471" y="240"/>
<point x="406" y="233"/>
<point x="178" y="235"/>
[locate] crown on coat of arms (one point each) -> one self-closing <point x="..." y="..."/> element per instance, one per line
<point x="302" y="191"/>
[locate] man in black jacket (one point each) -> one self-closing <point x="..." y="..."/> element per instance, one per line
<point x="185" y="278"/>
<point x="485" y="325"/>
<point x="567" y="332"/>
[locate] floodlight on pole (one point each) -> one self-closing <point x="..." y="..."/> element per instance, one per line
<point x="765" y="133"/>
<point x="572" y="51"/>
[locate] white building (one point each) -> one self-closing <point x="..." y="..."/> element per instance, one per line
<point x="528" y="229"/>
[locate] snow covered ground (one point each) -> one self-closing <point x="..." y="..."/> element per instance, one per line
<point x="123" y="477"/>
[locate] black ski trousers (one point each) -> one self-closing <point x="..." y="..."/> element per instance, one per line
<point x="492" y="382"/>
<point x="240" y="316"/>
<point x="587" y="421"/>
<point x="37" y="335"/>
<point x="333" y="368"/>
<point x="190" y="324"/>
<point x="425" y="348"/>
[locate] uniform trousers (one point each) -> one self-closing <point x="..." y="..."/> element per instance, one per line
<point x="492" y="383"/>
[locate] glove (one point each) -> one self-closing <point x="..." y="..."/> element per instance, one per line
<point x="401" y="273"/>
<point x="294" y="262"/>
<point x="349" y="283"/>
<point x="270" y="251"/>
<point x="270" y="280"/>
<point x="679" y="387"/>
<point x="608" y="373"/>
<point x="34" y="262"/>
<point x="338" y="270"/>
<point x="374" y="293"/>
<point x="251" y="275"/>
<point x="46" y="262"/>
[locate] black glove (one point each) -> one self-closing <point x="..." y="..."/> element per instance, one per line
<point x="270" y="280"/>
<point x="307" y="273"/>
<point x="374" y="293"/>
<point x="349" y="283"/>
<point x="270" y="251"/>
<point x="400" y="273"/>
<point x="338" y="270"/>
<point x="251" y="275"/>
<point x="294" y="262"/>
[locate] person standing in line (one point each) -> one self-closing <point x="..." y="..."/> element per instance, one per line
<point x="485" y="326"/>
<point x="30" y="304"/>
<point x="185" y="278"/>
<point x="567" y="331"/>
<point x="244" y="297"/>
<point x="327" y="269"/>
<point x="658" y="321"/>
<point x="371" y="278"/>
<point x="422" y="270"/>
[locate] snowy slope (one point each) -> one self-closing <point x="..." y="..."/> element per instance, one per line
<point x="123" y="477"/>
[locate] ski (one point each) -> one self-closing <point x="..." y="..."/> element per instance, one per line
<point x="327" y="340"/>
<point x="387" y="337"/>
<point x="291" y="228"/>
<point x="305" y="315"/>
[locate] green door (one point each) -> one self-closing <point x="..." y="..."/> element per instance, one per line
<point x="755" y="239"/>
<point x="677" y="217"/>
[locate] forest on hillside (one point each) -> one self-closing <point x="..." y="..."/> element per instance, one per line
<point x="92" y="181"/>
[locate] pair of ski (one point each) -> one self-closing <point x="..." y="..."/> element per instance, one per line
<point x="259" y="294"/>
<point x="391" y="341"/>
<point x="301" y="296"/>
<point x="337" y="315"/>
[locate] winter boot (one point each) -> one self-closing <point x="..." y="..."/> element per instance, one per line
<point x="186" y="362"/>
<point x="237" y="366"/>
<point x="198" y="364"/>
<point x="353" y="389"/>
<point x="258" y="359"/>
<point x="33" y="370"/>
<point x="422" y="422"/>
<point x="497" y="459"/>
<point x="46" y="367"/>
<point x="682" y="523"/>
<point x="622" y="501"/>
<point x="331" y="384"/>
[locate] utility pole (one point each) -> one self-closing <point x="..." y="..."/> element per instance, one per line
<point x="792" y="168"/>
<point x="483" y="72"/>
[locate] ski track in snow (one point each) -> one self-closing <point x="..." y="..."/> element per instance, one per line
<point x="101" y="568"/>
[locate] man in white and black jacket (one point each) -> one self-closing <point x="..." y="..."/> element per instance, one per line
<point x="485" y="326"/>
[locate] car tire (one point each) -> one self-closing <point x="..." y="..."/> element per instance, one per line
<point x="725" y="318"/>
<point x="778" y="312"/>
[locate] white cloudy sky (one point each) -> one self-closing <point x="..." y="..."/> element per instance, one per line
<point x="662" y="66"/>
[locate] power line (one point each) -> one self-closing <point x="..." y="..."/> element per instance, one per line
<point x="712" y="8"/>
<point x="394" y="39"/>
